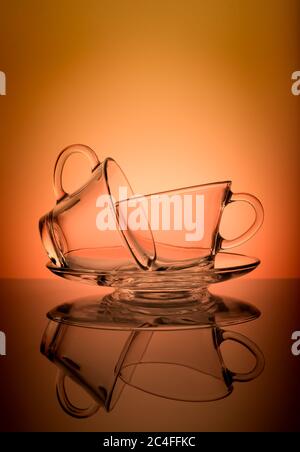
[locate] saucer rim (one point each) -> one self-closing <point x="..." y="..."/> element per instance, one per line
<point x="255" y="262"/>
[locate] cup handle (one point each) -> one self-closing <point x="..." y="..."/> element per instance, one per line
<point x="60" y="163"/>
<point x="252" y="230"/>
<point x="67" y="405"/>
<point x="253" y="349"/>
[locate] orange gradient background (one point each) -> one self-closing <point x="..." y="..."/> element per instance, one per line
<point x="178" y="92"/>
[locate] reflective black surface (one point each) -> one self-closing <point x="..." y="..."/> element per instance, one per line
<point x="270" y="402"/>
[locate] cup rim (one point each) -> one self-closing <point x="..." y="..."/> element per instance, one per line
<point x="135" y="254"/>
<point x="180" y="189"/>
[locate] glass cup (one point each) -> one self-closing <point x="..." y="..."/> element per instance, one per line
<point x="185" y="223"/>
<point x="186" y="365"/>
<point x="72" y="233"/>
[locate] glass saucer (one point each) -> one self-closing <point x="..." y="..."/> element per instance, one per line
<point x="160" y="290"/>
<point x="225" y="266"/>
<point x="107" y="313"/>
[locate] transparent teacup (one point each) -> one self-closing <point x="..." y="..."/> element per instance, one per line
<point x="185" y="223"/>
<point x="72" y="233"/>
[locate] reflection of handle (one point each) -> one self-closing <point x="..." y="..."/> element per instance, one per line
<point x="253" y="349"/>
<point x="68" y="406"/>
<point x="60" y="163"/>
<point x="258" y="221"/>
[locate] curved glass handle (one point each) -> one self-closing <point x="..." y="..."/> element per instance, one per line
<point x="258" y="221"/>
<point x="67" y="405"/>
<point x="60" y="163"/>
<point x="253" y="349"/>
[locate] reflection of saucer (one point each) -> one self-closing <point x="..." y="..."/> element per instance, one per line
<point x="226" y="266"/>
<point x="107" y="313"/>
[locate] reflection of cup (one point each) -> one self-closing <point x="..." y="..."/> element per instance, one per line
<point x="180" y="364"/>
<point x="90" y="357"/>
<point x="185" y="222"/>
<point x="69" y="232"/>
<point x="185" y="365"/>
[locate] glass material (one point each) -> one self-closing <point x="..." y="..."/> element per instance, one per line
<point x="162" y="288"/>
<point x="69" y="231"/>
<point x="185" y="223"/>
<point x="73" y="240"/>
<point x="159" y="330"/>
